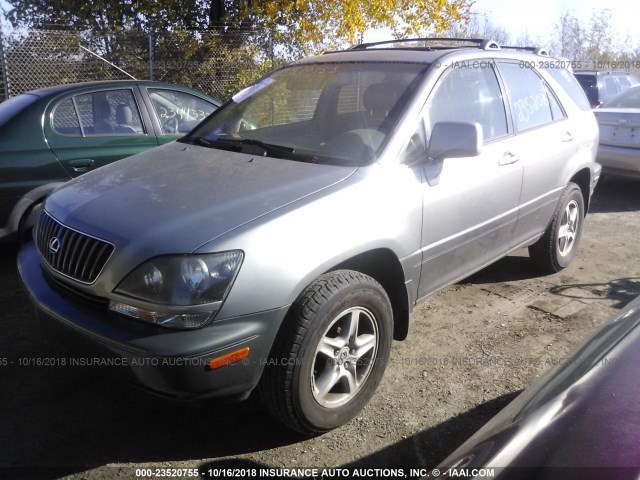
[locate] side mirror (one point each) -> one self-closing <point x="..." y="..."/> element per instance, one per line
<point x="455" y="139"/>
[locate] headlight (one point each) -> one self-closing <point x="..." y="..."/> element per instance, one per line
<point x="179" y="281"/>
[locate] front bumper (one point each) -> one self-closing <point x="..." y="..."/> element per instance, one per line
<point x="167" y="362"/>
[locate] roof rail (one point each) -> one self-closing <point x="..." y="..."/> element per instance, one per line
<point x="489" y="45"/>
<point x="478" y="42"/>
<point x="534" y="50"/>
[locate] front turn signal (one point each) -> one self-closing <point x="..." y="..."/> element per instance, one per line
<point x="229" y="358"/>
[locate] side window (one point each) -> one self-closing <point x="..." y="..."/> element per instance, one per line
<point x="610" y="86"/>
<point x="178" y="112"/>
<point x="624" y="81"/>
<point x="112" y="112"/>
<point x="556" y="109"/>
<point x="530" y="101"/>
<point x="572" y="86"/>
<point x="65" y="119"/>
<point x="470" y="93"/>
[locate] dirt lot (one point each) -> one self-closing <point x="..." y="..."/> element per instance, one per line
<point x="433" y="396"/>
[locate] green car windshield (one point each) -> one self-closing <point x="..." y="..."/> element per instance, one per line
<point x="339" y="113"/>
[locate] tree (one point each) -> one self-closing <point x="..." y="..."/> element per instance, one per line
<point x="220" y="46"/>
<point x="594" y="45"/>
<point x="570" y="38"/>
<point x="300" y="26"/>
<point x="527" y="40"/>
<point x="478" y="26"/>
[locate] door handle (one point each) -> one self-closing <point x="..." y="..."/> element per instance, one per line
<point x="567" y="137"/>
<point x="508" y="158"/>
<point x="81" y="165"/>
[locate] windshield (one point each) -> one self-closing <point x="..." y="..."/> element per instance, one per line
<point x="628" y="99"/>
<point x="339" y="113"/>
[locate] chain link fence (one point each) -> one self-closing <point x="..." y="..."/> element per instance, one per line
<point x="216" y="62"/>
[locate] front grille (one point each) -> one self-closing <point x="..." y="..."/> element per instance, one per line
<point x="69" y="252"/>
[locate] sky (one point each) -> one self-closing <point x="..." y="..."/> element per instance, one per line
<point x="537" y="18"/>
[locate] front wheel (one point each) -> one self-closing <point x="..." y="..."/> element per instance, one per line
<point x="559" y="243"/>
<point x="331" y="353"/>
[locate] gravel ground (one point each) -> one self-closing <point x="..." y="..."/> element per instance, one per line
<point x="471" y="349"/>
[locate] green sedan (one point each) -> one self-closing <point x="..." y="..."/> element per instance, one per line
<point x="51" y="135"/>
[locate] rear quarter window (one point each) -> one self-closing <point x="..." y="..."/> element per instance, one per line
<point x="569" y="83"/>
<point x="65" y="119"/>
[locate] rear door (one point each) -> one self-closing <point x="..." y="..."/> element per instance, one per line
<point x="546" y="141"/>
<point x="91" y="129"/>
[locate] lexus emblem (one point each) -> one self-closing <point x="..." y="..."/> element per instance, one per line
<point x="54" y="245"/>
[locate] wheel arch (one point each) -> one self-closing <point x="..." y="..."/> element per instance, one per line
<point x="26" y="203"/>
<point x="384" y="266"/>
<point x="582" y="178"/>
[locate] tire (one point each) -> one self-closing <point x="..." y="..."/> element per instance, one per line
<point x="559" y="244"/>
<point x="27" y="222"/>
<point x="317" y="378"/>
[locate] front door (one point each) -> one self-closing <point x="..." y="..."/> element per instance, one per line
<point x="470" y="204"/>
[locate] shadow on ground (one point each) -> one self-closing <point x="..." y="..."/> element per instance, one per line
<point x="615" y="194"/>
<point x="621" y="291"/>
<point x="508" y="269"/>
<point x="425" y="449"/>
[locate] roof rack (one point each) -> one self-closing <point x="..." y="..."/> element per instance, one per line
<point x="439" y="43"/>
<point x="534" y="50"/>
<point x="484" y="44"/>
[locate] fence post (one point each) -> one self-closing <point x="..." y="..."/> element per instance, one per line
<point x="3" y="66"/>
<point x="151" y="74"/>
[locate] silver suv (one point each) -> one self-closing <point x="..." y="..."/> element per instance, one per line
<point x="282" y="244"/>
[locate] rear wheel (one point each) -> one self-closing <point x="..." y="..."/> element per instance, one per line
<point x="559" y="243"/>
<point x="331" y="353"/>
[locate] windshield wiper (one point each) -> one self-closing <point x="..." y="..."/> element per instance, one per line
<point x="203" y="142"/>
<point x="279" y="151"/>
<point x="235" y="144"/>
<point x="269" y="148"/>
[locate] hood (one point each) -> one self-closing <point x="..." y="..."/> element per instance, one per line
<point x="175" y="198"/>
